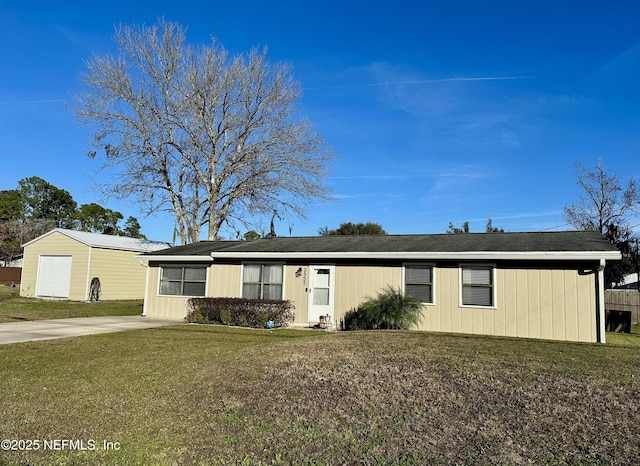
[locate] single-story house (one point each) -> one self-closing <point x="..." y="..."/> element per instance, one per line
<point x="63" y="263"/>
<point x="546" y="285"/>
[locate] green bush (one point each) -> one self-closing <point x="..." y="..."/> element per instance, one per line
<point x="240" y="312"/>
<point x="196" y="317"/>
<point x="261" y="318"/>
<point x="391" y="309"/>
<point x="225" y="316"/>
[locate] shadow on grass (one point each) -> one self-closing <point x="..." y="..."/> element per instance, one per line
<point x="250" y="333"/>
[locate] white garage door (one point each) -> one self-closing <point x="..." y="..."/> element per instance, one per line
<point x="54" y="276"/>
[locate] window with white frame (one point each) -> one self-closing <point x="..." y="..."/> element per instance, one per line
<point x="183" y="280"/>
<point x="418" y="281"/>
<point x="262" y="281"/>
<point x="478" y="285"/>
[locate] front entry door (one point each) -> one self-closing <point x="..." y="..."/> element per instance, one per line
<point x="321" y="283"/>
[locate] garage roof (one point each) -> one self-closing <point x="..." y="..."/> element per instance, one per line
<point x="96" y="240"/>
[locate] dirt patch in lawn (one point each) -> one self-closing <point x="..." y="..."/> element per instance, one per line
<point x="409" y="399"/>
<point x="213" y="395"/>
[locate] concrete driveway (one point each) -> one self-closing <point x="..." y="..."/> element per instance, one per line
<point x="15" y="332"/>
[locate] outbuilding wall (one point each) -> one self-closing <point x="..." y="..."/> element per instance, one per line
<point x="56" y="244"/>
<point x="121" y="275"/>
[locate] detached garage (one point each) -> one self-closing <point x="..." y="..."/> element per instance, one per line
<point x="64" y="263"/>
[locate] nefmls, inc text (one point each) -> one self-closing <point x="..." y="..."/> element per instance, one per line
<point x="80" y="445"/>
<point x="57" y="445"/>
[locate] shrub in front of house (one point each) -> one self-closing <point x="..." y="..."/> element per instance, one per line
<point x="391" y="309"/>
<point x="240" y="312"/>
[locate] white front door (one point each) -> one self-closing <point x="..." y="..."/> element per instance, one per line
<point x="54" y="276"/>
<point x="321" y="283"/>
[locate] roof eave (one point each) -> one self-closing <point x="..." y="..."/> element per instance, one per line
<point x="473" y="255"/>
<point x="174" y="258"/>
<point x="42" y="236"/>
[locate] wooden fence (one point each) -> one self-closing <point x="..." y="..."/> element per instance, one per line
<point x="10" y="275"/>
<point x="623" y="300"/>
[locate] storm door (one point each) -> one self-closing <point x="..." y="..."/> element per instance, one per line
<point x="321" y="292"/>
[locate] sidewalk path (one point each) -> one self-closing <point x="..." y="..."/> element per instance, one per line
<point x="15" y="332"/>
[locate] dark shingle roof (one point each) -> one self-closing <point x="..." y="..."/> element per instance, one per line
<point x="545" y="242"/>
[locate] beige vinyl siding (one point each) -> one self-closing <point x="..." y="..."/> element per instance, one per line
<point x="55" y="244"/>
<point x="355" y="283"/>
<point x="166" y="307"/>
<point x="296" y="290"/>
<point x="225" y="280"/>
<point x="121" y="275"/>
<point x="546" y="302"/>
<point x="29" y="272"/>
<point x="532" y="303"/>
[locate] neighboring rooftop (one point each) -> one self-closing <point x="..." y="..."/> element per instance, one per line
<point x="96" y="240"/>
<point x="544" y="242"/>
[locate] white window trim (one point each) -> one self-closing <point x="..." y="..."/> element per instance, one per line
<point x="258" y="262"/>
<point x="193" y="266"/>
<point x="433" y="279"/>
<point x="494" y="285"/>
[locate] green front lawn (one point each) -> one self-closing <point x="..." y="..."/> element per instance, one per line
<point x="13" y="308"/>
<point x="194" y="394"/>
<point x="625" y="339"/>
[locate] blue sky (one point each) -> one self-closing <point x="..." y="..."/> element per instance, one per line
<point x="437" y="111"/>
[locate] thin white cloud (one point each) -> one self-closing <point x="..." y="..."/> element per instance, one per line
<point x="623" y="62"/>
<point x="34" y="102"/>
<point x="447" y="80"/>
<point x="341" y="197"/>
<point x="369" y="177"/>
<point x="462" y="174"/>
<point x="422" y="81"/>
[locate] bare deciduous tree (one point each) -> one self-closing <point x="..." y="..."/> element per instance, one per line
<point x="604" y="205"/>
<point x="15" y="232"/>
<point x="212" y="138"/>
<point x="602" y="202"/>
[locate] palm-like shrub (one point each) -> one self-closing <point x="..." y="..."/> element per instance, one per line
<point x="391" y="309"/>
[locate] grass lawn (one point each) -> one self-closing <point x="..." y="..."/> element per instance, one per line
<point x="625" y="339"/>
<point x="13" y="308"/>
<point x="195" y="394"/>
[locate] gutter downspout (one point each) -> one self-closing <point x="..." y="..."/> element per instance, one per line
<point x="146" y="288"/>
<point x="601" y="325"/>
